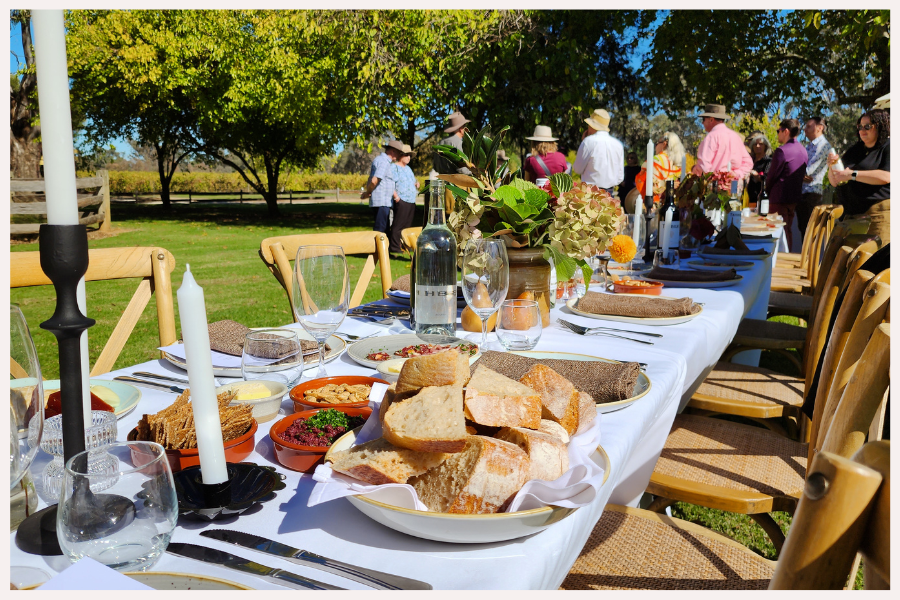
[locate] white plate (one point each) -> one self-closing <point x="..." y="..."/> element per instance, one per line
<point x="641" y="387"/>
<point x="391" y="343"/>
<point x="703" y="254"/>
<point x="162" y="580"/>
<point x="336" y="344"/>
<point x="636" y="320"/>
<point x="730" y="263"/>
<point x="703" y="285"/>
<point x="454" y="528"/>
<point x="129" y="396"/>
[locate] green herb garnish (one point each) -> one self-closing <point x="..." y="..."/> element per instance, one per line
<point x="329" y="416"/>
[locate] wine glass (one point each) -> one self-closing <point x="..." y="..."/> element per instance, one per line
<point x="26" y="397"/>
<point x="272" y="355"/>
<point x="628" y="228"/>
<point x="321" y="293"/>
<point x="485" y="278"/>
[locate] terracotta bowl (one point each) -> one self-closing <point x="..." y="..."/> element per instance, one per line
<point x="305" y="458"/>
<point x="300" y="404"/>
<point x="236" y="450"/>
<point x="654" y="289"/>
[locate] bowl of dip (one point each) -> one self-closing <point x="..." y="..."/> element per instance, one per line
<point x="292" y="438"/>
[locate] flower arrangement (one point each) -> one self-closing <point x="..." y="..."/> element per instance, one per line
<point x="701" y="187"/>
<point x="571" y="223"/>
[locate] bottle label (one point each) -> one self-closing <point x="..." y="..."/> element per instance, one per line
<point x="435" y="304"/>
<point x="674" y="235"/>
<point x="763" y="207"/>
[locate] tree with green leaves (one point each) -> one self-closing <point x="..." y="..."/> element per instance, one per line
<point x="24" y="147"/>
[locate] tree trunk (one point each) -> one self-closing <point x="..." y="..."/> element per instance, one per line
<point x="271" y="196"/>
<point x="163" y="180"/>
<point x="24" y="158"/>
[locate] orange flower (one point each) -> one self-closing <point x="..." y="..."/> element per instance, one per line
<point x="622" y="249"/>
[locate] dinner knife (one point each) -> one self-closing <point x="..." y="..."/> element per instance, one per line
<point x="376" y="579"/>
<point x="150" y="384"/>
<point x="149" y="375"/>
<point x="231" y="561"/>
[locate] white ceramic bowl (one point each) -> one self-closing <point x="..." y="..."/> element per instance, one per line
<point x="455" y="528"/>
<point x="264" y="409"/>
<point x="385" y="369"/>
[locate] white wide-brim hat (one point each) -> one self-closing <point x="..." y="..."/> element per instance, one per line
<point x="598" y="120"/>
<point x="542" y="133"/>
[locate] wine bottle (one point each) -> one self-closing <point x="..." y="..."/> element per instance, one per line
<point x="763" y="197"/>
<point x="435" y="271"/>
<point x="669" y="226"/>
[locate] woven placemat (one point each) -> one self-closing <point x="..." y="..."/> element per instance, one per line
<point x="401" y="284"/>
<point x="630" y="306"/>
<point x="665" y="274"/>
<point x="605" y="382"/>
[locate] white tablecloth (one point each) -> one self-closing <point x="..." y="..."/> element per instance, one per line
<point x="632" y="437"/>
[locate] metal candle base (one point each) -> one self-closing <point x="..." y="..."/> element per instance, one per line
<point x="247" y="484"/>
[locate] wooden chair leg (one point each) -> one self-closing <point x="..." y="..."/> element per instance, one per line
<point x="772" y="529"/>
<point x="659" y="505"/>
<point x="851" y="582"/>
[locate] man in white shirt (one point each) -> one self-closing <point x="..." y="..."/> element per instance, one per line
<point x="816" y="166"/>
<point x="601" y="158"/>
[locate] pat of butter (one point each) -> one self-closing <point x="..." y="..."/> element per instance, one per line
<point x="252" y="391"/>
<point x="395" y="368"/>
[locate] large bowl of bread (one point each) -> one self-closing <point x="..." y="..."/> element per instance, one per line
<point x="467" y="441"/>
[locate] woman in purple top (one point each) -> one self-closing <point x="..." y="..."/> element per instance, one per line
<point x="784" y="180"/>
<point x="544" y="160"/>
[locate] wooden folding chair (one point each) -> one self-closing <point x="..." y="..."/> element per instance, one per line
<point x="845" y="507"/>
<point x="806" y="276"/>
<point x="278" y="252"/>
<point x="153" y="265"/>
<point x="408" y="237"/>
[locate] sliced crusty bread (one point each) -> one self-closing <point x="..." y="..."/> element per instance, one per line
<point x="587" y="409"/>
<point x="450" y="367"/>
<point x="548" y="456"/>
<point x="555" y="429"/>
<point x="379" y="462"/>
<point x="389" y="396"/>
<point x="559" y="399"/>
<point x="430" y="421"/>
<point x="496" y="400"/>
<point x="481" y="479"/>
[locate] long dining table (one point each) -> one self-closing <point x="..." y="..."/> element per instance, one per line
<point x="632" y="438"/>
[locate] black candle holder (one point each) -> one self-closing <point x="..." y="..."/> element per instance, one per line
<point x="247" y="484"/>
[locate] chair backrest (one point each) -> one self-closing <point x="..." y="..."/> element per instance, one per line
<point x="857" y="259"/>
<point x="153" y="265"/>
<point x="278" y="252"/>
<point x="812" y="230"/>
<point x="409" y="236"/>
<point x="845" y="509"/>
<point x="820" y="242"/>
<point x="823" y="307"/>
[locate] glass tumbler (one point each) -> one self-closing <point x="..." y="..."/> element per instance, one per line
<point x="519" y="325"/>
<point x="272" y="355"/>
<point x="128" y="526"/>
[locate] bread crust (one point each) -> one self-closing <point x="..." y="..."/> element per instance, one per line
<point x="380" y="462"/>
<point x="496" y="400"/>
<point x="587" y="409"/>
<point x="450" y="367"/>
<point x="559" y="399"/>
<point x="430" y="421"/>
<point x="555" y="429"/>
<point x="548" y="457"/>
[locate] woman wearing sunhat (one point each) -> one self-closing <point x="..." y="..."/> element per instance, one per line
<point x="545" y="160"/>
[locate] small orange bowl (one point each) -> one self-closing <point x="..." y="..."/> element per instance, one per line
<point x="305" y="458"/>
<point x="236" y="450"/>
<point x="300" y="403"/>
<point x="653" y="289"/>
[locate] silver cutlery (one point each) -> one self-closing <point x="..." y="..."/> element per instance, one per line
<point x="370" y="577"/>
<point x="583" y="330"/>
<point x="160" y="377"/>
<point x="231" y="561"/>
<point x="349" y="337"/>
<point x="150" y="384"/>
<point x="604" y="333"/>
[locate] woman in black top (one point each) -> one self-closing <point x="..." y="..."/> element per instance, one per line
<point x="867" y="174"/>
<point x="632" y="168"/>
<point x="761" y="153"/>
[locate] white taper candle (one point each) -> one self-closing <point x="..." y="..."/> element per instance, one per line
<point x="666" y="231"/>
<point x="194" y="330"/>
<point x="683" y="167"/>
<point x="650" y="169"/>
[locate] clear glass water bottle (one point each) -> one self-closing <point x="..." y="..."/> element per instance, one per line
<point x="434" y="289"/>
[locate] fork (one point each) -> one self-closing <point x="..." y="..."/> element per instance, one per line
<point x="569" y="326"/>
<point x="354" y="338"/>
<point x="585" y="330"/>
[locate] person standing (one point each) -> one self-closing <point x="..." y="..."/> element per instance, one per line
<point x="380" y="187"/>
<point x="632" y="168"/>
<point x="817" y="151"/>
<point x="721" y="146"/>
<point x="601" y="158"/>
<point x="786" y="172"/>
<point x="404" y="199"/>
<point x="761" y="155"/>
<point x="667" y="156"/>
<point x="868" y="174"/>
<point x="545" y="159"/>
<point x="457" y="130"/>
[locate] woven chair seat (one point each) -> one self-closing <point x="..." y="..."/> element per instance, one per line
<point x="790" y="304"/>
<point x="770" y="335"/>
<point x="788" y="286"/>
<point x="638" y="549"/>
<point x="736" y="457"/>
<point x="752" y="385"/>
<point x="790" y="256"/>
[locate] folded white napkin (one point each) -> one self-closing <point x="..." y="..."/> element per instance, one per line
<point x="219" y="360"/>
<point x="398" y="294"/>
<point x="576" y="487"/>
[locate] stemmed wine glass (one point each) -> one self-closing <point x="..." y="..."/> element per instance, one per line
<point x="628" y="225"/>
<point x="26" y="397"/>
<point x="321" y="293"/>
<point x="485" y="278"/>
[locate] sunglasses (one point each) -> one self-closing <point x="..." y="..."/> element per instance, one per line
<point x="865" y="127"/>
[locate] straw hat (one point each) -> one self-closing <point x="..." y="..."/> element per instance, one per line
<point x="396" y="145"/>
<point x="883" y="102"/>
<point x="598" y="120"/>
<point x="716" y="111"/>
<point x="542" y="133"/>
<point x="408" y="150"/>
<point x="501" y="155"/>
<point x="457" y="120"/>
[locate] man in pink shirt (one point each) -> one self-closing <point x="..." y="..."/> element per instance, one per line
<point x="721" y="146"/>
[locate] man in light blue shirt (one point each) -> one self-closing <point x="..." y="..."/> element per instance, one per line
<point x="381" y="184"/>
<point x="816" y="166"/>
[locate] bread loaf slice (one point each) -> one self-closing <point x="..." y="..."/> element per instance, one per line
<point x="450" y="367"/>
<point x="559" y="399"/>
<point x="379" y="462"/>
<point x="587" y="410"/>
<point x="479" y="480"/>
<point x="555" y="429"/>
<point x="498" y="401"/>
<point x="548" y="457"/>
<point x="430" y="421"/>
<point x="389" y="396"/>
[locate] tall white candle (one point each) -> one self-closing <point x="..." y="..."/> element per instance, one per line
<point x="650" y="168"/>
<point x="665" y="236"/>
<point x="194" y="330"/>
<point x="683" y="167"/>
<point x="58" y="149"/>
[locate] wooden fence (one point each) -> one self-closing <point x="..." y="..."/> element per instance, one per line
<point x="93" y="207"/>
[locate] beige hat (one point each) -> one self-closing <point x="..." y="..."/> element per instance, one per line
<point x="716" y="111"/>
<point x="542" y="133"/>
<point x="396" y="145"/>
<point x="457" y="120"/>
<point x="501" y="155"/>
<point x="408" y="150"/>
<point x="598" y="120"/>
